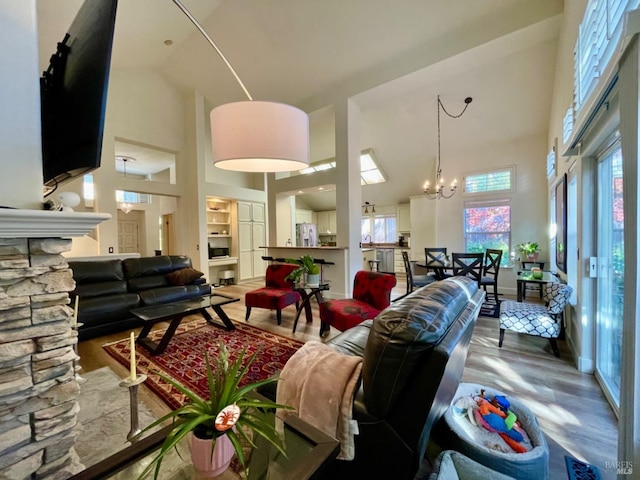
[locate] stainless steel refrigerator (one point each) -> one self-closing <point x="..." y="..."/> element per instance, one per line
<point x="306" y="235"/>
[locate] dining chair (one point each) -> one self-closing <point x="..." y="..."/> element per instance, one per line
<point x="468" y="264"/>
<point x="436" y="257"/>
<point x="415" y="281"/>
<point x="491" y="270"/>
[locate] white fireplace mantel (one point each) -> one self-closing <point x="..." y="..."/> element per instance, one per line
<point x="17" y="223"/>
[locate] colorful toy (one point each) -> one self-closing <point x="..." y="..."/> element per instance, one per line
<point x="496" y="417"/>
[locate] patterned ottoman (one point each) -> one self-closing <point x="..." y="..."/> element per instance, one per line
<point x="488" y="448"/>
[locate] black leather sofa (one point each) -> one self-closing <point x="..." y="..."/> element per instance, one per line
<point x="413" y="354"/>
<point x="109" y="289"/>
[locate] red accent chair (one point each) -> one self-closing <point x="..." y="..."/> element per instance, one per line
<point x="277" y="294"/>
<point x="371" y="295"/>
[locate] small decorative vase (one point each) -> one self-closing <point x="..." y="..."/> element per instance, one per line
<point x="207" y="463"/>
<point x="532" y="257"/>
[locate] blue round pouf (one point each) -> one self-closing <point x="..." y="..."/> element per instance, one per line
<point x="531" y="465"/>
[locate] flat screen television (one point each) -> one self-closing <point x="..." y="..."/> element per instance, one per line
<point x="73" y="95"/>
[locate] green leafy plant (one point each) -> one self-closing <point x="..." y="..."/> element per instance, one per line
<point x="198" y="416"/>
<point x="306" y="265"/>
<point x="528" y="248"/>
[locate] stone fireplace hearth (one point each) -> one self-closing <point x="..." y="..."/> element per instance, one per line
<point x="38" y="387"/>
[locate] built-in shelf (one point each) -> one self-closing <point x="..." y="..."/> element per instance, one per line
<point x="217" y="262"/>
<point x="218" y="235"/>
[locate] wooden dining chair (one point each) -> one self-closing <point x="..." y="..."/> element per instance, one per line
<point x="415" y="281"/>
<point x="491" y="270"/>
<point x="468" y="264"/>
<point x="436" y="257"/>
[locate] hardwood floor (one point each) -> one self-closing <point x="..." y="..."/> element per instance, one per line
<point x="570" y="406"/>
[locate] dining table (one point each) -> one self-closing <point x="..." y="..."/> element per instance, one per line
<point x="439" y="268"/>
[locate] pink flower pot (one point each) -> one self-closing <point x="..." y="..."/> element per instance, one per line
<point x="210" y="464"/>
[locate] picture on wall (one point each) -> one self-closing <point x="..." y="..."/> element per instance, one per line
<point x="561" y="224"/>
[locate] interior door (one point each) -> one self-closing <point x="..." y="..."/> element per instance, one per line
<point x="168" y="232"/>
<point x="609" y="283"/>
<point x="128" y="239"/>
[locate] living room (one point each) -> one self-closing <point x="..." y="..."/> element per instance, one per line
<point x="180" y="126"/>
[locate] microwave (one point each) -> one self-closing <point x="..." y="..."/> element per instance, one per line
<point x="218" y="252"/>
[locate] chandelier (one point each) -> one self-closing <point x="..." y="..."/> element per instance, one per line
<point x="438" y="190"/>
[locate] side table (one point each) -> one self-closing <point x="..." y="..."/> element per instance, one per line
<point x="307" y="292"/>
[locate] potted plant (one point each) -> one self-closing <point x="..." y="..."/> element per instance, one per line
<point x="529" y="250"/>
<point x="215" y="426"/>
<point x="306" y="266"/>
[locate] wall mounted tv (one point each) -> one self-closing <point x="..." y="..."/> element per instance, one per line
<point x="73" y="95"/>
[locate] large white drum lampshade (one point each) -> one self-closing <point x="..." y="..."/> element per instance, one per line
<point x="258" y="136"/>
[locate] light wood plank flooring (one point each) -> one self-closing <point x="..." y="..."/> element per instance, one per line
<point x="570" y="406"/>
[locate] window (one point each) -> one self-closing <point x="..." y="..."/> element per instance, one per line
<point x="379" y="229"/>
<point x="598" y="35"/>
<point x="493" y="181"/>
<point x="132" y="197"/>
<point x="369" y="172"/>
<point x="488" y="225"/>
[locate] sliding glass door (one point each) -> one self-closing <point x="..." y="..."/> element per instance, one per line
<point x="610" y="248"/>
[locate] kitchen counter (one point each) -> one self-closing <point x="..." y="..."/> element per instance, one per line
<point x="310" y="248"/>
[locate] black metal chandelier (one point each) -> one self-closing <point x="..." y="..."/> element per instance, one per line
<point x="439" y="190"/>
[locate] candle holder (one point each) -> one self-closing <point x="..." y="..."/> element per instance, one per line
<point x="76" y="366"/>
<point x="132" y="385"/>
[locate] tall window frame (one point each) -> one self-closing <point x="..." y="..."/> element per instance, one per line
<point x="487" y="224"/>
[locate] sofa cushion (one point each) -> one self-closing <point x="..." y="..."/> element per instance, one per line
<point x="404" y="334"/>
<point x="95" y="279"/>
<point x="95" y="311"/>
<point x="150" y="272"/>
<point x="184" y="276"/>
<point x="155" y="296"/>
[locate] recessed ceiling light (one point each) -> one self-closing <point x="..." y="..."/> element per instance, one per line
<point x="168" y="42"/>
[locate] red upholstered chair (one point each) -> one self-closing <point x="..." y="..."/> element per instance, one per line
<point x="277" y="294"/>
<point x="371" y="295"/>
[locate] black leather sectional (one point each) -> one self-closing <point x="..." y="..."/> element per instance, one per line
<point x="413" y="354"/>
<point x="109" y="289"/>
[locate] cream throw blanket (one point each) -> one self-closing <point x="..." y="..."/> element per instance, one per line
<point x="320" y="384"/>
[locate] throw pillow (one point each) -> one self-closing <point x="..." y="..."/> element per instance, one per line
<point x="183" y="276"/>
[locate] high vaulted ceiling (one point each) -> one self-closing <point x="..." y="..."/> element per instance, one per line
<point x="392" y="57"/>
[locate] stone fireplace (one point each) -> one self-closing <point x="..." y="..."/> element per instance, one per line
<point x="38" y="387"/>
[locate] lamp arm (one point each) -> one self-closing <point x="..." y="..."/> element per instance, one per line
<point x="211" y="42"/>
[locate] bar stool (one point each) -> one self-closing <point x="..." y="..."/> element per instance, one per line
<point x="373" y="265"/>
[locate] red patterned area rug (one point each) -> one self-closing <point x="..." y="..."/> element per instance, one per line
<point x="183" y="360"/>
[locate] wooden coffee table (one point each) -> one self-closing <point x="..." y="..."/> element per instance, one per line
<point x="175" y="312"/>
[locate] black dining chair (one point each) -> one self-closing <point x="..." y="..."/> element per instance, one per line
<point x="415" y="281"/>
<point x="491" y="270"/>
<point x="468" y="264"/>
<point x="436" y="257"/>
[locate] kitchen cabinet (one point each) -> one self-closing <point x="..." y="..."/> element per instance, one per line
<point x="251" y="236"/>
<point x="327" y="222"/>
<point x="403" y="218"/>
<point x="304" y="216"/>
<point x="251" y="212"/>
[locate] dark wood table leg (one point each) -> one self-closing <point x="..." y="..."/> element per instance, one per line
<point x="221" y="313"/>
<point x="304" y="305"/>
<point x="158" y="348"/>
<point x="521" y="286"/>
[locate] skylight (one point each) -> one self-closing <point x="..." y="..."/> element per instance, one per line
<point x="369" y="171"/>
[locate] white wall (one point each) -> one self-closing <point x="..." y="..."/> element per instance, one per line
<point x="20" y="155"/>
<point x="580" y="327"/>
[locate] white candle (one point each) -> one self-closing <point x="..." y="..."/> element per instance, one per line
<point x="132" y="362"/>
<point x="75" y="312"/>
